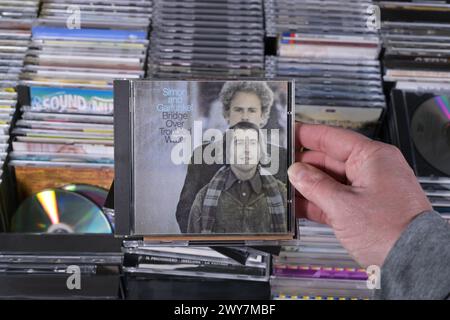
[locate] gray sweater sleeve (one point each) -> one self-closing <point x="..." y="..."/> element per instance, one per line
<point x="418" y="266"/>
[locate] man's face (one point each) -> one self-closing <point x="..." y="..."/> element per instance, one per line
<point x="245" y="148"/>
<point x="245" y="106"/>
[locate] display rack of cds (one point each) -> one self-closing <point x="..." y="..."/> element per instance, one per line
<point x="65" y="55"/>
<point x="64" y="134"/>
<point x="69" y="72"/>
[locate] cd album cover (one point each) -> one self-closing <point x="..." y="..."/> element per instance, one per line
<point x="203" y="159"/>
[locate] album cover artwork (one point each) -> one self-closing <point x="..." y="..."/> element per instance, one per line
<point x="204" y="158"/>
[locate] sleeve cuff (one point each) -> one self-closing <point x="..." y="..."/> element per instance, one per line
<point x="418" y="266"/>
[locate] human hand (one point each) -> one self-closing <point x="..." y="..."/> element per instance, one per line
<point x="364" y="189"/>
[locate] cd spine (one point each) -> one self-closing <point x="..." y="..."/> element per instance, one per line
<point x="122" y="156"/>
<point x="291" y="155"/>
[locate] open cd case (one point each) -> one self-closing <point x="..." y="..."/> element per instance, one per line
<point x="420" y="127"/>
<point x="422" y="131"/>
<point x="204" y="161"/>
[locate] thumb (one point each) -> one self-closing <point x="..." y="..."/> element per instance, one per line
<point x="317" y="187"/>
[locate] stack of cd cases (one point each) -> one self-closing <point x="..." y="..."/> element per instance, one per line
<point x="330" y="48"/>
<point x="116" y="14"/>
<point x="438" y="192"/>
<point x="323" y="29"/>
<point x="87" y="44"/>
<point x="344" y="93"/>
<point x="195" y="272"/>
<point x="207" y="38"/>
<point x="67" y="102"/>
<point x="416" y="38"/>
<point x="15" y="34"/>
<point x="317" y="267"/>
<point x="62" y="266"/>
<point x="203" y="262"/>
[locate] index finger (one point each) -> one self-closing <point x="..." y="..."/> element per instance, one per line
<point x="337" y="143"/>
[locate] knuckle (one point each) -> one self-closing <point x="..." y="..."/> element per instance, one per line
<point x="359" y="152"/>
<point x="391" y="149"/>
<point x="382" y="149"/>
<point x="394" y="153"/>
<point x="323" y="138"/>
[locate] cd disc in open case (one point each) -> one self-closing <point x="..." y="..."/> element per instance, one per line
<point x="200" y="160"/>
<point x="95" y="194"/>
<point x="430" y="127"/>
<point x="59" y="211"/>
<point x="421" y="131"/>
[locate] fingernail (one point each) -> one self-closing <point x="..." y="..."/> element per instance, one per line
<point x="295" y="172"/>
<point x="301" y="175"/>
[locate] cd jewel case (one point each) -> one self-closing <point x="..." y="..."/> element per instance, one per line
<point x="203" y="160"/>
